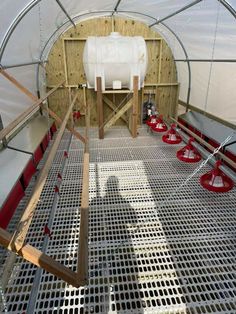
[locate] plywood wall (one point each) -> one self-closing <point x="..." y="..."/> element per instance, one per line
<point x="65" y="62"/>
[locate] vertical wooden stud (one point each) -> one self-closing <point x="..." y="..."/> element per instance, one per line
<point x="71" y="115"/>
<point x="135" y="106"/>
<point x="160" y="62"/>
<point x="87" y="120"/>
<point x="65" y="61"/>
<point x="100" y="108"/>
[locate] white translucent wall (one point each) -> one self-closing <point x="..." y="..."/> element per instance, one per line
<point x="195" y="27"/>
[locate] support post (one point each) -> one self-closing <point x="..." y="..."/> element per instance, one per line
<point x="87" y="120"/>
<point x="135" y="107"/>
<point x="100" y="108"/>
<point x="19" y="235"/>
<point x="82" y="275"/>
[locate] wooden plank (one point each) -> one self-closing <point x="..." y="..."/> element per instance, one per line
<point x="160" y="62"/>
<point x="23" y="226"/>
<point x="65" y="61"/>
<point x="82" y="276"/>
<point x="74" y="38"/>
<point x="59" y="121"/>
<point x="18" y="85"/>
<point x="84" y="39"/>
<point x="117" y="91"/>
<point x="113" y="107"/>
<point x="87" y="120"/>
<point x="40" y="259"/>
<point x="25" y="114"/>
<point x="160" y="84"/>
<point x="152" y="39"/>
<point x="135" y="107"/>
<point x="117" y="116"/>
<point x="100" y="108"/>
<point x="202" y="141"/>
<point x="71" y="114"/>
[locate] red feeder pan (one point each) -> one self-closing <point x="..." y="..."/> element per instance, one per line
<point x="216" y="181"/>
<point x="189" y="153"/>
<point x="171" y="137"/>
<point x="152" y="121"/>
<point x="160" y="125"/>
<point x="76" y="115"/>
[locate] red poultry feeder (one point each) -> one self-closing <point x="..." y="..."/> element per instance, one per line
<point x="76" y="115"/>
<point x="172" y="137"/>
<point x="152" y="121"/>
<point x="160" y="125"/>
<point x="189" y="153"/>
<point x="216" y="181"/>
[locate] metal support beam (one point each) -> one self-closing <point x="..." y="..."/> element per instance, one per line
<point x="176" y="12"/>
<point x="10" y="66"/>
<point x="116" y="7"/>
<point x="228" y="7"/>
<point x="66" y="13"/>
<point x="206" y="60"/>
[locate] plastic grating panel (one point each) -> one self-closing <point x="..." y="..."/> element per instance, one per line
<point x="181" y="259"/>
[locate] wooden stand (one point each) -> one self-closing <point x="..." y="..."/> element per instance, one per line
<point x="131" y="106"/>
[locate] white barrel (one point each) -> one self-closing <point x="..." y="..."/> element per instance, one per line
<point x="116" y="59"/>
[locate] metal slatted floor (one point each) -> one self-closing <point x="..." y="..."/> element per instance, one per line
<point x="148" y="253"/>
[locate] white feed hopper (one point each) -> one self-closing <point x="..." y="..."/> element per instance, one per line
<point x="116" y="59"/>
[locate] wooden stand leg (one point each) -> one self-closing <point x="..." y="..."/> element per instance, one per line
<point x="100" y="108"/>
<point x="87" y="120"/>
<point x="135" y="107"/>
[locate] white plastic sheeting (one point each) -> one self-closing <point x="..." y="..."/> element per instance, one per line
<point x="207" y="30"/>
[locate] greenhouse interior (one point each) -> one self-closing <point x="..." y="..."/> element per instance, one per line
<point x="118" y="156"/>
